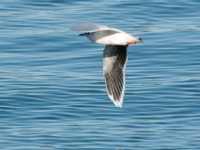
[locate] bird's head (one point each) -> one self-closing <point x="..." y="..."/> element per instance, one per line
<point x="136" y="40"/>
<point x="140" y="39"/>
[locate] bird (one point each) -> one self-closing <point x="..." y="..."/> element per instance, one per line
<point x="114" y="55"/>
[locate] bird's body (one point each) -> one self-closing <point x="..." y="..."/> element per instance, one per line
<point x="114" y="56"/>
<point x="108" y="38"/>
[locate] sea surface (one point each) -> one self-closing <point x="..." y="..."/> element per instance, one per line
<point x="52" y="90"/>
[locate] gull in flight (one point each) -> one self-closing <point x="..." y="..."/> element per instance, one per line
<point x="114" y="55"/>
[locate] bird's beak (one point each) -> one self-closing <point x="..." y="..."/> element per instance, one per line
<point x="140" y="39"/>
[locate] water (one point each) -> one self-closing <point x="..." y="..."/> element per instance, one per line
<point x="52" y="92"/>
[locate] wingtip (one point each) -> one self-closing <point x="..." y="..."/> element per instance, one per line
<point x="118" y="104"/>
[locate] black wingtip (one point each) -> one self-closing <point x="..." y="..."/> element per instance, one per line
<point x="84" y="34"/>
<point x="81" y="34"/>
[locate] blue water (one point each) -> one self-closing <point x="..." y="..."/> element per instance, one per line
<point x="52" y="92"/>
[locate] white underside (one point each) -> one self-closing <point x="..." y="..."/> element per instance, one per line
<point x="120" y="38"/>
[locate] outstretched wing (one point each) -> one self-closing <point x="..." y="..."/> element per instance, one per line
<point x="86" y="28"/>
<point x="99" y="34"/>
<point x="114" y="63"/>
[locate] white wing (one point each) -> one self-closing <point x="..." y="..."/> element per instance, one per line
<point x="91" y="27"/>
<point x="114" y="63"/>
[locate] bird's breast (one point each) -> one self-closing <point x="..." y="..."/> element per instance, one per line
<point x="114" y="39"/>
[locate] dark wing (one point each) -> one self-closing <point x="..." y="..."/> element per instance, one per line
<point x="114" y="62"/>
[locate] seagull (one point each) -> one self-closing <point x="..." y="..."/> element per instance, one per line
<point x="114" y="55"/>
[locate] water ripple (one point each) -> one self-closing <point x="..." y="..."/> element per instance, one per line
<point x="52" y="93"/>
